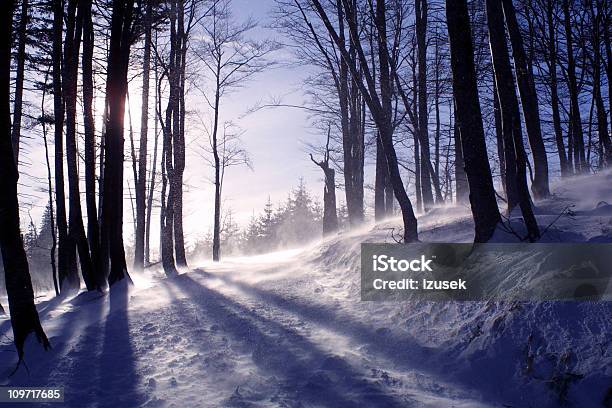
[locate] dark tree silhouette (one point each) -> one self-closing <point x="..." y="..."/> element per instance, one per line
<point x="529" y="102"/>
<point x="24" y="316"/>
<point x="111" y="230"/>
<point x="469" y="120"/>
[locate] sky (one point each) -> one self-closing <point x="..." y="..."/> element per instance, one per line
<point x="274" y="139"/>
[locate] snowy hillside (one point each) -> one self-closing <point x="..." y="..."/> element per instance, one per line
<point x="288" y="329"/>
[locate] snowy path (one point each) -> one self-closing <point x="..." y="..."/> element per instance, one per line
<point x="215" y="338"/>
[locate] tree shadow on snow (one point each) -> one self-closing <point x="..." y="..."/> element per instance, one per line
<point x="92" y="357"/>
<point x="402" y="352"/>
<point x="304" y="371"/>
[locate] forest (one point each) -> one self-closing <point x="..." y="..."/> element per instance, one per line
<point x="125" y="146"/>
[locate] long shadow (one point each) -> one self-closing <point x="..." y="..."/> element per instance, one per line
<point x="44" y="308"/>
<point x="119" y="380"/>
<point x="92" y="356"/>
<point x="401" y="351"/>
<point x="307" y="373"/>
<point x="39" y="364"/>
<point x="381" y="342"/>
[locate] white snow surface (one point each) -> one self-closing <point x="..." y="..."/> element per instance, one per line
<point x="288" y="329"/>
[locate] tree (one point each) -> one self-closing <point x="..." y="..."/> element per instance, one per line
<point x="231" y="60"/>
<point x="93" y="227"/>
<point x="515" y="158"/>
<point x="469" y="120"/>
<point x="331" y="85"/>
<point x="575" y="120"/>
<point x="529" y="102"/>
<point x="111" y="231"/>
<point x="141" y="182"/>
<point x="24" y="316"/>
<point x="66" y="265"/>
<point x="605" y="145"/>
<point x="378" y="98"/>
<point x="330" y="215"/>
<point x="20" y="57"/>
<point x="420" y="12"/>
<point x="76" y="231"/>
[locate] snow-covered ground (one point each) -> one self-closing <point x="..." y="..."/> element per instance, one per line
<point x="289" y="330"/>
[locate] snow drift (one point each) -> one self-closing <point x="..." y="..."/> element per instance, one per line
<point x="289" y="329"/>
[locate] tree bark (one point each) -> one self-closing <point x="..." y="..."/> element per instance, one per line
<point x="575" y="119"/>
<point x="423" y="117"/>
<point x="179" y="136"/>
<point x="24" y="316"/>
<point x="529" y="102"/>
<point x="554" y="93"/>
<point x="462" y="192"/>
<point x="93" y="228"/>
<point x="499" y="137"/>
<point x="605" y="158"/>
<point x="113" y="252"/>
<point x="515" y="156"/>
<point x="18" y="104"/>
<point x="147" y="248"/>
<point x="350" y="124"/>
<point x="141" y="182"/>
<point x="380" y="182"/>
<point x="76" y="230"/>
<point x="469" y="117"/>
<point x="67" y="269"/>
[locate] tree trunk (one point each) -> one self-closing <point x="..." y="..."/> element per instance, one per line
<point x="93" y="228"/>
<point x="113" y="252"/>
<point x="417" y="144"/>
<point x="330" y="214"/>
<point x="386" y="129"/>
<point x="515" y="156"/>
<point x="499" y="137"/>
<point x="18" y="106"/>
<point x="76" y="230"/>
<point x="50" y="192"/>
<point x="462" y="192"/>
<point x="179" y="136"/>
<point x="423" y="117"/>
<point x="605" y="158"/>
<point x="575" y="119"/>
<point x="608" y="47"/>
<point x="469" y="117"/>
<point x="380" y="182"/>
<point x="529" y="102"/>
<point x="24" y="316"/>
<point x="352" y="136"/>
<point x="554" y="93"/>
<point x="147" y="248"/>
<point x="67" y="269"/>
<point x="217" y="221"/>
<point x="141" y="182"/>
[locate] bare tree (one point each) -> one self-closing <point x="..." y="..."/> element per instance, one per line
<point x="111" y="229"/>
<point x="515" y="158"/>
<point x="330" y="214"/>
<point x="21" y="57"/>
<point x="141" y="181"/>
<point x="469" y="119"/>
<point x="24" y="316"/>
<point x="529" y="102"/>
<point x="231" y="60"/>
<point x="378" y="98"/>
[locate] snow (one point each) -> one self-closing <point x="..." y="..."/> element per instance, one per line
<point x="288" y="329"/>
